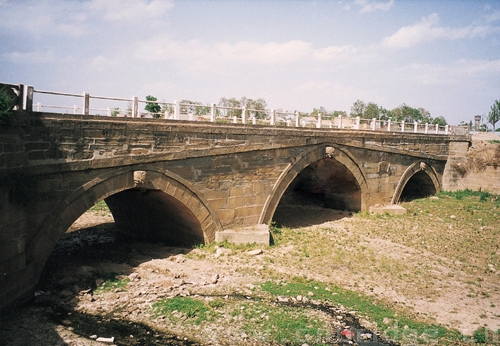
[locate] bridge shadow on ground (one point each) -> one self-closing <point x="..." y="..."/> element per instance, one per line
<point x="80" y="261"/>
<point x="294" y="216"/>
<point x="303" y="209"/>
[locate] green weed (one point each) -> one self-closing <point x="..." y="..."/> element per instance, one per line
<point x="100" y="207"/>
<point x="284" y="325"/>
<point x="363" y="305"/>
<point x="112" y="282"/>
<point x="183" y="308"/>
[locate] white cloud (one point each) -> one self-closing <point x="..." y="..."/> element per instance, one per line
<point x="130" y="11"/>
<point x="41" y="18"/>
<point x="371" y="6"/>
<point x="337" y="95"/>
<point x="493" y="17"/>
<point x="164" y="49"/>
<point x="428" y="30"/>
<point x="34" y="57"/>
<point x="264" y="53"/>
<point x="460" y="73"/>
<point x="334" y="53"/>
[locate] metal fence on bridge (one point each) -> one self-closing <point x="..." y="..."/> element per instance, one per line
<point x="215" y="113"/>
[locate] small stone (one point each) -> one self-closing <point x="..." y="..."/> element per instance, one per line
<point x="299" y="298"/>
<point x="310" y="294"/>
<point x="93" y="336"/>
<point x="106" y="340"/>
<point x="365" y="336"/>
<point x="453" y="217"/>
<point x="215" y="278"/>
<point x="386" y="320"/>
<point x="255" y="252"/>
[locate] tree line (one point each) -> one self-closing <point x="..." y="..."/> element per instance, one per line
<point x="231" y="107"/>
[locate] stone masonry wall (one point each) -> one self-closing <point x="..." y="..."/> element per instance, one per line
<point x="475" y="168"/>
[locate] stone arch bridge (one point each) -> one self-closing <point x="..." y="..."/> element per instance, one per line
<point x="190" y="182"/>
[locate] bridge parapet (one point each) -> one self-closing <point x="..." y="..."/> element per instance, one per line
<point x="221" y="114"/>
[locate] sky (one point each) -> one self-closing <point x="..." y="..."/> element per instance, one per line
<point x="441" y="55"/>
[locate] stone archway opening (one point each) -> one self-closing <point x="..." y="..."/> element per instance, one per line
<point x="156" y="216"/>
<point x="420" y="185"/>
<point x="326" y="188"/>
<point x="108" y="243"/>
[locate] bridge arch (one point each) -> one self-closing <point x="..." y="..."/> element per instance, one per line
<point x="175" y="190"/>
<point x="304" y="160"/>
<point x="419" y="180"/>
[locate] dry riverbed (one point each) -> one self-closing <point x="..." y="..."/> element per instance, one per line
<point x="439" y="265"/>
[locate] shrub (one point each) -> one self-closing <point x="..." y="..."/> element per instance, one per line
<point x="7" y="103"/>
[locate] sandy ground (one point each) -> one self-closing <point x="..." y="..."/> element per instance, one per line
<point x="156" y="271"/>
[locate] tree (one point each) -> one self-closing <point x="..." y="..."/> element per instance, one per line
<point x="494" y="114"/>
<point x="358" y="109"/>
<point x="257" y="107"/>
<point x="441" y="121"/>
<point x="7" y="103"/>
<point x="340" y="113"/>
<point x="153" y="107"/>
<point x="371" y="111"/>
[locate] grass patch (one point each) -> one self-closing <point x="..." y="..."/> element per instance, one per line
<point x="212" y="247"/>
<point x="184" y="309"/>
<point x="392" y="324"/>
<point x="285" y="325"/>
<point x="461" y="194"/>
<point x="100" y="207"/>
<point x="112" y="282"/>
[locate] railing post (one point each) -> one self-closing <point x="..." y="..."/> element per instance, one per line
<point x="177" y="110"/>
<point x="374" y="124"/>
<point x="86" y="103"/>
<point x="108" y="112"/>
<point x="135" y="107"/>
<point x="38" y="106"/>
<point x="358" y="122"/>
<point x="340" y="121"/>
<point x="75" y="109"/>
<point x="415" y="127"/>
<point x="426" y="129"/>
<point x="235" y="119"/>
<point x="437" y="129"/>
<point x="446" y="129"/>
<point x="244" y="116"/>
<point x="320" y="121"/>
<point x="166" y="114"/>
<point x="28" y="98"/>
<point x="273" y="117"/>
<point x="254" y="120"/>
<point x="388" y="125"/>
<point x="213" y="113"/>
<point x="20" y="97"/>
<point x="403" y="126"/>
<point x="297" y="119"/>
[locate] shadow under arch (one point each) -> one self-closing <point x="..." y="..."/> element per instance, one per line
<point x="140" y="178"/>
<point x="419" y="180"/>
<point x="304" y="160"/>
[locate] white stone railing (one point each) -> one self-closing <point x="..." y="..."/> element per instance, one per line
<point x="221" y="114"/>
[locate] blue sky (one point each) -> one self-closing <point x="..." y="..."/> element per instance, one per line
<point x="443" y="56"/>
